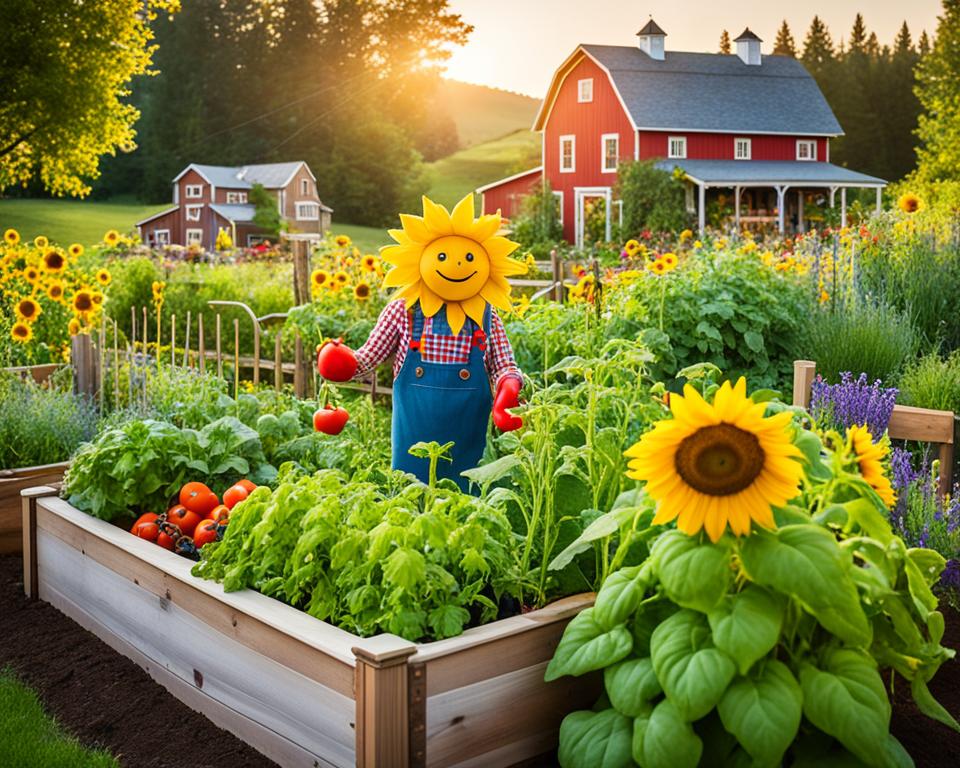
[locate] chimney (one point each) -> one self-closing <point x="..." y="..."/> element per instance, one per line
<point x="650" y="39"/>
<point x="748" y="47"/>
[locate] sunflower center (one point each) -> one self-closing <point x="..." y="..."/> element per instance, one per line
<point x="719" y="460"/>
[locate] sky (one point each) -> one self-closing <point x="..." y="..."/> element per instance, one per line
<point x="517" y="44"/>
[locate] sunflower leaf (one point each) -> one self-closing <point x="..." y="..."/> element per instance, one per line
<point x="620" y="595"/>
<point x="631" y="685"/>
<point x="595" y="740"/>
<point x="665" y="739"/>
<point x="586" y="646"/>
<point x="746" y="626"/>
<point x="694" y="575"/>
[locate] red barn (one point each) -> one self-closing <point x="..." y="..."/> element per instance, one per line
<point x="755" y="125"/>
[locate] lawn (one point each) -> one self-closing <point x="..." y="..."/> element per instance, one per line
<point x="484" y="114"/>
<point x="367" y="239"/>
<point x="72" y="221"/>
<point x="31" y="739"/>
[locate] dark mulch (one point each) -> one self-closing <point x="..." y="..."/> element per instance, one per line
<point x="101" y="697"/>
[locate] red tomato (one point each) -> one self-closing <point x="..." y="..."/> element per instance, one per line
<point x="219" y="513"/>
<point x="251" y="487"/>
<point x="205" y="533"/>
<point x="184" y="518"/>
<point x="330" y="420"/>
<point x="147" y="530"/>
<point x="146" y="517"/>
<point x="336" y="361"/>
<point x="166" y="541"/>
<point x="198" y="498"/>
<point x="234" y="495"/>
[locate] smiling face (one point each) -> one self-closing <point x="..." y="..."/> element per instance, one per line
<point x="455" y="268"/>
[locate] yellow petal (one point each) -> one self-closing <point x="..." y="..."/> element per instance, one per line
<point x="500" y="248"/>
<point x="462" y="216"/>
<point x="399" y="235"/>
<point x="455" y="316"/>
<point x="430" y="303"/>
<point x="485" y="227"/>
<point x="416" y="228"/>
<point x="436" y="218"/>
<point x="475" y="306"/>
<point x="401" y="275"/>
<point x="495" y="295"/>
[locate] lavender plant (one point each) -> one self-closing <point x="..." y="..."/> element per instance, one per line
<point x="852" y="402"/>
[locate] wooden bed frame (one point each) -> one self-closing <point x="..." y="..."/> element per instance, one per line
<point x="301" y="691"/>
<point x="12" y="482"/>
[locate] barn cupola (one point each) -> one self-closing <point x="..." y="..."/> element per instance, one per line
<point x="651" y="40"/>
<point x="748" y="47"/>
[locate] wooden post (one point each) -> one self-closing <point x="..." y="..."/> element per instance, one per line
<point x="116" y="367"/>
<point x="946" y="468"/>
<point x="28" y="502"/>
<point x="299" y="383"/>
<point x="236" y="357"/>
<point x="219" y="351"/>
<point x="301" y="272"/>
<point x="201" y="346"/>
<point x="173" y="341"/>
<point x="101" y="359"/>
<point x="804" y="372"/>
<point x="277" y="364"/>
<point x="556" y="267"/>
<point x="382" y="690"/>
<point x="186" y="344"/>
<point x="84" y="365"/>
<point x="133" y="324"/>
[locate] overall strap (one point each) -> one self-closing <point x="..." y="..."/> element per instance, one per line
<point x="481" y="336"/>
<point x="416" y="320"/>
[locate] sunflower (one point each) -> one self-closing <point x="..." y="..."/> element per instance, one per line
<point x="55" y="290"/>
<point x="370" y="263"/>
<point x="870" y="456"/>
<point x="670" y="261"/>
<point x="717" y="464"/>
<point x="103" y="276"/>
<point x="657" y="267"/>
<point x="40" y="242"/>
<point x="28" y="309"/>
<point x="82" y="301"/>
<point x="11" y="236"/>
<point x="97" y="298"/>
<point x="112" y="237"/>
<point x="342" y="241"/>
<point x="53" y="261"/>
<point x="319" y="277"/>
<point x="21" y="332"/>
<point x="361" y="291"/>
<point x="75" y="250"/>
<point x="480" y="262"/>
<point x="73" y="327"/>
<point x="631" y="247"/>
<point x="341" y="278"/>
<point x="908" y="202"/>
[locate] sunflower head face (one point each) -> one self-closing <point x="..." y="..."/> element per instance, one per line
<point x="451" y="258"/>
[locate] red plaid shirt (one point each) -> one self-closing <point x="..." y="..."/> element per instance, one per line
<point x="391" y="335"/>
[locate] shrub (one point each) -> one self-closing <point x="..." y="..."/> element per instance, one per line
<point x="539" y="221"/>
<point x="652" y="199"/>
<point x="933" y="382"/>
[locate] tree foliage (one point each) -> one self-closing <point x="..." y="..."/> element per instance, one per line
<point x="539" y="219"/>
<point x="266" y="213"/>
<point x="725" y="42"/>
<point x="652" y="199"/>
<point x="938" y="88"/>
<point x="65" y="73"/>
<point x="785" y="45"/>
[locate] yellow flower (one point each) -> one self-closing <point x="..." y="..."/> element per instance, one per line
<point x="908" y="202"/>
<point x="97" y="298"/>
<point x="670" y="261"/>
<point x="73" y="327"/>
<point x="824" y="297"/>
<point x="631" y="247"/>
<point x="319" y="277"/>
<point x="657" y="267"/>
<point x="697" y="244"/>
<point x="21" y="332"/>
<point x="54" y="262"/>
<point x="342" y="240"/>
<point x="82" y="301"/>
<point x="28" y="309"/>
<point x="31" y="275"/>
<point x="103" y="276"/>
<point x="361" y="291"/>
<point x="370" y="263"/>
<point x="55" y="290"/>
<point x="685" y="235"/>
<point x="40" y="242"/>
<point x="75" y="250"/>
<point x="112" y="237"/>
<point x="870" y="456"/>
<point x="11" y="236"/>
<point x="719" y="464"/>
<point x="341" y="277"/>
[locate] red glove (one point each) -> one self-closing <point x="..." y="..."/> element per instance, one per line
<point x="508" y="392"/>
<point x="336" y="361"/>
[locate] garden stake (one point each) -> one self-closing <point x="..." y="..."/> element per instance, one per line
<point x="186" y="344"/>
<point x="101" y="359"/>
<point x="236" y="358"/>
<point x="116" y="366"/>
<point x="277" y="365"/>
<point x="173" y="341"/>
<point x="219" y="354"/>
<point x="200" y="345"/>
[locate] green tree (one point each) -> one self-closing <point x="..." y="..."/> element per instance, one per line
<point x="938" y="88"/>
<point x="818" y="53"/>
<point x="539" y="220"/>
<point x="652" y="199"/>
<point x="65" y="72"/>
<point x="785" y="45"/>
<point x="923" y="44"/>
<point x="266" y="213"/>
<point x="725" y="42"/>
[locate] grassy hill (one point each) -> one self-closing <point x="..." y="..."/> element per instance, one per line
<point x="483" y="114"/>
<point x="72" y="221"/>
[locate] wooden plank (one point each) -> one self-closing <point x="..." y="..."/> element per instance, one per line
<point x="39" y="373"/>
<point x="928" y="426"/>
<point x="277" y="364"/>
<point x="316" y="721"/>
<point x="201" y="345"/>
<point x="12" y="482"/>
<point x="804" y="372"/>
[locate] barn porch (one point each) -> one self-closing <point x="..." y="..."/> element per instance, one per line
<point x="783" y="186"/>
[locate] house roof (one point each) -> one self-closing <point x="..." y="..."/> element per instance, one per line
<point x="651" y="28"/>
<point x="270" y="175"/>
<point x="747" y="35"/>
<point x="514" y="177"/>
<point x="157" y="215"/>
<point x="237" y="213"/>
<point x="708" y="92"/>
<point x="790" y="172"/>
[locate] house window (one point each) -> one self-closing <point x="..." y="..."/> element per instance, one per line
<point x="568" y="154"/>
<point x="236" y="198"/>
<point x="585" y="90"/>
<point x="194" y="237"/>
<point x="610" y="147"/>
<point x="304" y="186"/>
<point x="741" y="149"/>
<point x="161" y="236"/>
<point x="806" y="149"/>
<point x="194" y="190"/>
<point x="559" y="196"/>
<point x="308" y="211"/>
<point x="193" y="212"/>
<point x="677" y="147"/>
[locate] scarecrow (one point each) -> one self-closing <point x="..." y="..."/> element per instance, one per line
<point x="451" y="351"/>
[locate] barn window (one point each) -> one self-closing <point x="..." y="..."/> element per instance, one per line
<point x="568" y="154"/>
<point x="308" y="211"/>
<point x="585" y="90"/>
<point x="559" y="195"/>
<point x="194" y="237"/>
<point x="610" y="148"/>
<point x="193" y="212"/>
<point x="806" y="149"/>
<point x="741" y="149"/>
<point x="236" y="197"/>
<point x="304" y="186"/>
<point x="161" y="236"/>
<point x="677" y="147"/>
<point x="194" y="190"/>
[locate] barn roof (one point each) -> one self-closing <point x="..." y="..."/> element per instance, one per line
<point x="790" y="172"/>
<point x="238" y="214"/>
<point x="270" y="175"/>
<point x="708" y="92"/>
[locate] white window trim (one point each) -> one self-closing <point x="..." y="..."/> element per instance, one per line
<point x="603" y="152"/>
<point x="298" y="205"/>
<point x="190" y="231"/>
<point x="253" y="240"/>
<point x="166" y="236"/>
<point x="559" y="194"/>
<point x="194" y="191"/>
<point x="573" y="153"/>
<point x="585" y="94"/>
<point x="304" y="186"/>
<point x="749" y="145"/>
<point x="239" y="198"/>
<point x="683" y="142"/>
<point x="193" y="212"/>
<point x="812" y="144"/>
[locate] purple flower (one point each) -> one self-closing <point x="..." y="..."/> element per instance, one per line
<point x="853" y="402"/>
<point x="951" y="574"/>
<point x="902" y="469"/>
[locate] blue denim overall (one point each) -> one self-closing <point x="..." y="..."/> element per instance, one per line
<point x="442" y="401"/>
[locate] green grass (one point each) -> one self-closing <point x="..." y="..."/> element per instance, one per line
<point x="483" y="114"/>
<point x="30" y="739"/>
<point x="367" y="239"/>
<point x="72" y="221"/>
<point x="453" y="177"/>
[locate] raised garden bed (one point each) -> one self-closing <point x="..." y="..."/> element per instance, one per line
<point x="299" y="690"/>
<point x="12" y="482"/>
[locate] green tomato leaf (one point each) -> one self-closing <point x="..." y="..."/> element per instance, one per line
<point x="631" y="684"/>
<point x="495" y="470"/>
<point x="586" y="646"/>
<point x="448" y="620"/>
<point x="764" y="712"/>
<point x="746" y="626"/>
<point x="595" y="740"/>
<point x="620" y="595"/>
<point x="666" y="739"/>
<point x="404" y="568"/>
<point x="691" y="671"/>
<point x="845" y="698"/>
<point x="805" y="561"/>
<point x="694" y="575"/>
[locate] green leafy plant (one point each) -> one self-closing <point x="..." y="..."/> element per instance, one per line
<point x="933" y="382"/>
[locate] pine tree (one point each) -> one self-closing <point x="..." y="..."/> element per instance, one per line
<point x="938" y="88"/>
<point x="858" y="35"/>
<point x="923" y="45"/>
<point x="785" y="45"/>
<point x="818" y="53"/>
<point x="901" y="106"/>
<point x="725" y="42"/>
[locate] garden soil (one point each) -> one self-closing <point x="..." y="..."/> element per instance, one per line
<point x="106" y="700"/>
